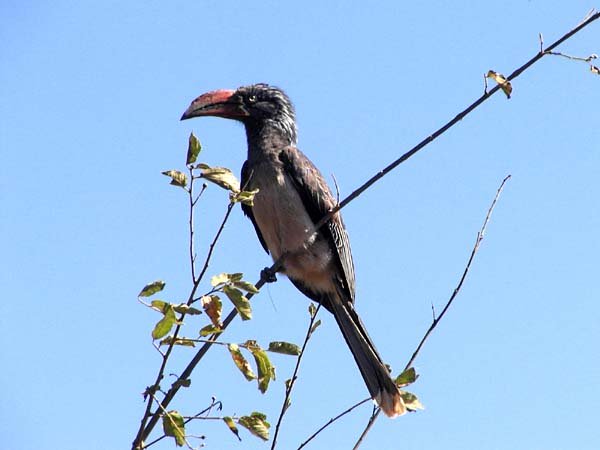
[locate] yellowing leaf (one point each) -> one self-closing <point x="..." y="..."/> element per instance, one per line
<point x="194" y="148"/>
<point x="152" y="288"/>
<point x="182" y="308"/>
<point x="411" y="401"/>
<point x="241" y="303"/>
<point x="185" y="342"/>
<point x="219" y="279"/>
<point x="245" y="197"/>
<point x="407" y="377"/>
<point x="174" y="426"/>
<point x="230" y="423"/>
<point x="284" y="348"/>
<point x="315" y="326"/>
<point x="312" y="309"/>
<point x="246" y="286"/>
<point x="266" y="371"/>
<point x="502" y="81"/>
<point x="225" y="278"/>
<point x="177" y="178"/>
<point x="212" y="307"/>
<point x="241" y="362"/>
<point x="257" y="424"/>
<point x="210" y="329"/>
<point x="221" y="176"/>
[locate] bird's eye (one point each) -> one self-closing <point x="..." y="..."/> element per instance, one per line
<point x="252" y="98"/>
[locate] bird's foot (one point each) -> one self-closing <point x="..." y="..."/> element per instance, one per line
<point x="267" y="275"/>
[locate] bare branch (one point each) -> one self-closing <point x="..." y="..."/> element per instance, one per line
<point x="290" y="385"/>
<point x="457" y="289"/>
<point x="339" y="416"/>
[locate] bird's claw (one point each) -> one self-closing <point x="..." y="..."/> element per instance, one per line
<point x="267" y="275"/>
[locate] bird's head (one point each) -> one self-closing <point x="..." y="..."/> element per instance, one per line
<point x="256" y="105"/>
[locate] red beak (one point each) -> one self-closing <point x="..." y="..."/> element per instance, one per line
<point x="216" y="103"/>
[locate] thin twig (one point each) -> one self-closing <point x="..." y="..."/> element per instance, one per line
<point x="188" y="419"/>
<point x="370" y="424"/>
<point x="457" y="289"/>
<point x="587" y="59"/>
<point x="480" y="236"/>
<point x="290" y="385"/>
<point x="333" y="419"/>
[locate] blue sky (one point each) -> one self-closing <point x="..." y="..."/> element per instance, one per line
<point x="91" y="97"/>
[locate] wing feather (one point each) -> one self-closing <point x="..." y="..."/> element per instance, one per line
<point x="318" y="201"/>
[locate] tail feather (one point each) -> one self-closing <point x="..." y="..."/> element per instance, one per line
<point x="374" y="372"/>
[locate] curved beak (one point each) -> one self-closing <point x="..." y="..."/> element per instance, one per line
<point x="216" y="103"/>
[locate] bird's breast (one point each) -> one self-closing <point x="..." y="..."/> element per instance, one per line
<point x="284" y="224"/>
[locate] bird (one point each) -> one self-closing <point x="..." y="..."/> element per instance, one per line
<point x="292" y="197"/>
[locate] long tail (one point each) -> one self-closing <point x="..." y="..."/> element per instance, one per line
<point x="376" y="375"/>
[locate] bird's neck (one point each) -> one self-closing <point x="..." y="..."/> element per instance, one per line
<point x="268" y="137"/>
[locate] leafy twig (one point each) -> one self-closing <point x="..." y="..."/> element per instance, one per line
<point x="149" y="420"/>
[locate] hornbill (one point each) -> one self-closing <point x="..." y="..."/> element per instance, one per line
<point x="293" y="196"/>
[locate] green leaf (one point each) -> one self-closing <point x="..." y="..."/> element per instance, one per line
<point x="240" y="302"/>
<point x="194" y="148"/>
<point x="312" y="310"/>
<point x="159" y="305"/>
<point x="266" y="371"/>
<point x="212" y="307"/>
<point x="245" y="197"/>
<point x="284" y="348"/>
<point x="241" y="362"/>
<point x="407" y="377"/>
<point x="411" y="401"/>
<point x="221" y="176"/>
<point x="174" y="426"/>
<point x="229" y="422"/>
<point x="152" y="288"/>
<point x="246" y="286"/>
<point x="182" y="308"/>
<point x="257" y="424"/>
<point x="163" y="327"/>
<point x="235" y="277"/>
<point x="177" y="178"/>
<point x="210" y="329"/>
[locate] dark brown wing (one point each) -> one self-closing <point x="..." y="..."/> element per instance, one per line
<point x="318" y="201"/>
<point x="246" y="174"/>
